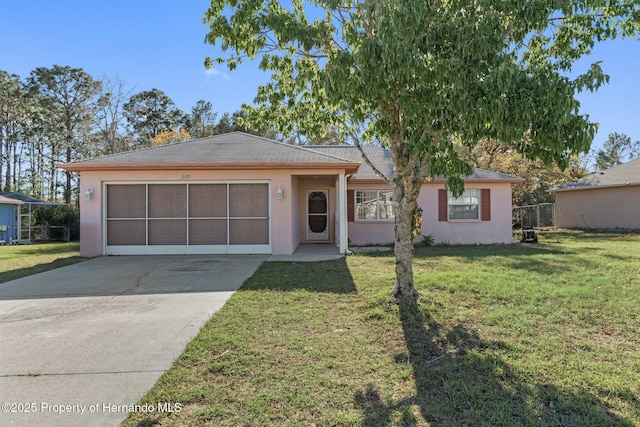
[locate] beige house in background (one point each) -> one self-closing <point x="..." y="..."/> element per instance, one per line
<point x="608" y="199"/>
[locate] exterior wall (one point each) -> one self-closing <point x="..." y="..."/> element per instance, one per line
<point x="613" y="207"/>
<point x="92" y="211"/>
<point x="8" y="219"/>
<point x="362" y="233"/>
<point x="288" y="215"/>
<point x="497" y="230"/>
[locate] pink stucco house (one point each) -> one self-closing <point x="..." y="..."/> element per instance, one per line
<point x="607" y="199"/>
<point x="238" y="193"/>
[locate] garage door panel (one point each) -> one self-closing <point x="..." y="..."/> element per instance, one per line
<point x="126" y="233"/>
<point x="167" y="201"/>
<point x="208" y="200"/>
<point x="208" y="232"/>
<point x="248" y="231"/>
<point x="168" y="232"/>
<point x="176" y="217"/>
<point x="126" y="201"/>
<point x="248" y="200"/>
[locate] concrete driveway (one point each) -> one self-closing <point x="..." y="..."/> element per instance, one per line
<point x="80" y="343"/>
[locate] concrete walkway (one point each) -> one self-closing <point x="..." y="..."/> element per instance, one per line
<point x="310" y="252"/>
<point x="80" y="343"/>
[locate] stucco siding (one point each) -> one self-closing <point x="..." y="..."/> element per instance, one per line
<point x="497" y="230"/>
<point x="362" y="233"/>
<point x="612" y="207"/>
<point x="92" y="211"/>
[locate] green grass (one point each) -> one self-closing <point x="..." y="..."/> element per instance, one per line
<point x="534" y="335"/>
<point x="25" y="260"/>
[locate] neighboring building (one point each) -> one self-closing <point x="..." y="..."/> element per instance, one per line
<point x="26" y="229"/>
<point x="608" y="199"/>
<point x="9" y="210"/>
<point x="238" y="193"/>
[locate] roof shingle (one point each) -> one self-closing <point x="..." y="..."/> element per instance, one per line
<point x="624" y="174"/>
<point x="236" y="147"/>
<point x="240" y="148"/>
<point x="381" y="159"/>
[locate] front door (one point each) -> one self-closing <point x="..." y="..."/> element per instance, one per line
<point x="318" y="215"/>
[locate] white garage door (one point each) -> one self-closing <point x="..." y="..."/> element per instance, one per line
<point x="178" y="218"/>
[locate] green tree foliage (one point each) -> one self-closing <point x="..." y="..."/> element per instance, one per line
<point x="419" y="75"/>
<point x="237" y="122"/>
<point x="151" y="112"/>
<point x="201" y="122"/>
<point x="59" y="216"/>
<point x="12" y="117"/>
<point x="616" y="150"/>
<point x="538" y="177"/>
<point x="329" y="136"/>
<point x="67" y="97"/>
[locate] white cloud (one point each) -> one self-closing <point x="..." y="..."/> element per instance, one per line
<point x="213" y="72"/>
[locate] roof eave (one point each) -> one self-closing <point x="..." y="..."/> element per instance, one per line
<point x="513" y="180"/>
<point x="593" y="187"/>
<point x="510" y="180"/>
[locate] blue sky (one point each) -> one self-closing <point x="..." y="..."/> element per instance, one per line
<point x="160" y="44"/>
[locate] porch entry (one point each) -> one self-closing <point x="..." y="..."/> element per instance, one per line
<point x="318" y="215"/>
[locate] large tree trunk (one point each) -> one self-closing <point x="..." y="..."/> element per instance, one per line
<point x="405" y="196"/>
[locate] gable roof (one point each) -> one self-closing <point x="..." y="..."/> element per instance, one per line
<point x="381" y="159"/>
<point x="617" y="176"/>
<point x="227" y="151"/>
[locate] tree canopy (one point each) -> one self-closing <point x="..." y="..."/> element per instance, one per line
<point x="617" y="149"/>
<point x="62" y="114"/>
<point x="418" y="76"/>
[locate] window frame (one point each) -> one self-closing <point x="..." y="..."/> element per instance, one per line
<point x="478" y="205"/>
<point x="357" y="197"/>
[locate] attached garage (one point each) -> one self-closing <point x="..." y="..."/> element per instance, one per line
<point x="187" y="218"/>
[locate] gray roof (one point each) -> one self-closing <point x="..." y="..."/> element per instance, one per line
<point x="624" y="174"/>
<point x="381" y="158"/>
<point x="231" y="148"/>
<point x="24" y="198"/>
<point x="243" y="149"/>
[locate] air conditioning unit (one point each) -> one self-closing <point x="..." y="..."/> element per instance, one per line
<point x="3" y="228"/>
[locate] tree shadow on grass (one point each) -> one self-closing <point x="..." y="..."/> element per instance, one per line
<point x="463" y="380"/>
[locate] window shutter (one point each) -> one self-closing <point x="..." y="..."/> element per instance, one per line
<point x="485" y="197"/>
<point x="442" y="205"/>
<point x="350" y="205"/>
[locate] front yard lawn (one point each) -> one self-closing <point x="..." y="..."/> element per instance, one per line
<point x="24" y="260"/>
<point x="533" y="335"/>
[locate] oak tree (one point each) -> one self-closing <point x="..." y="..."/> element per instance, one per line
<point x="416" y="76"/>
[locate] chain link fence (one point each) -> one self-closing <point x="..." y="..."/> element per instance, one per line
<point x="538" y="216"/>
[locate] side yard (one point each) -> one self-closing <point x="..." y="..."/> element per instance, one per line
<point x="24" y="260"/>
<point x="544" y="334"/>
